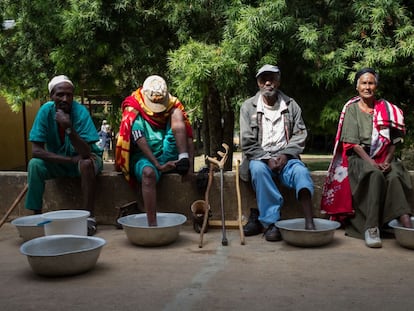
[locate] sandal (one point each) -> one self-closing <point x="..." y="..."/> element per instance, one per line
<point x="129" y="208"/>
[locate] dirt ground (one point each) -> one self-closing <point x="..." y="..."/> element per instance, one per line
<point x="344" y="275"/>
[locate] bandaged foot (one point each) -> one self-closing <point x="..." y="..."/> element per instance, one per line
<point x="182" y="166"/>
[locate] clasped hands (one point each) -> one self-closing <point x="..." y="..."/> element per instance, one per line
<point x="384" y="166"/>
<point x="277" y="163"/>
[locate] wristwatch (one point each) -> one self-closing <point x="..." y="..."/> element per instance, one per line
<point x="68" y="130"/>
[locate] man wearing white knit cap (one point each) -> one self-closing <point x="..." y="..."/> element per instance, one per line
<point x="63" y="140"/>
<point x="57" y="80"/>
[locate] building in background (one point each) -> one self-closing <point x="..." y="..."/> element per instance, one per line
<point x="15" y="150"/>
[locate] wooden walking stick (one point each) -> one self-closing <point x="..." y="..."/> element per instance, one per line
<point x="239" y="207"/>
<point x="13" y="206"/>
<point x="220" y="164"/>
<point x="206" y="204"/>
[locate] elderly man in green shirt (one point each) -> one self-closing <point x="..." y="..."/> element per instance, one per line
<point x="63" y="140"/>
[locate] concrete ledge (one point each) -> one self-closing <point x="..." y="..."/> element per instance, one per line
<point x="173" y="195"/>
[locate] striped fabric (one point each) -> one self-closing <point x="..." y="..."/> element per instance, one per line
<point x="131" y="107"/>
<point x="386" y="117"/>
<point x="336" y="195"/>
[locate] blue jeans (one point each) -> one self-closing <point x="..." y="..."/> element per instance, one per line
<point x="269" y="200"/>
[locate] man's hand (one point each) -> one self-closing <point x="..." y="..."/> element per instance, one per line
<point x="278" y="163"/>
<point x="63" y="119"/>
<point x="76" y="159"/>
<point x="170" y="165"/>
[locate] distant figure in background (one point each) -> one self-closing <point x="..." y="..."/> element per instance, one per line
<point x="105" y="127"/>
<point x="63" y="140"/>
<point x="105" y="136"/>
<point x="155" y="137"/>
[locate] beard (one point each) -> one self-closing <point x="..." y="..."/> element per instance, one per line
<point x="268" y="92"/>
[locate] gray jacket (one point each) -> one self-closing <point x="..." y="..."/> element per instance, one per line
<point x="251" y="132"/>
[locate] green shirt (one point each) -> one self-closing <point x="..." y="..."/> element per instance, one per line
<point x="154" y="136"/>
<point x="46" y="130"/>
<point x="357" y="126"/>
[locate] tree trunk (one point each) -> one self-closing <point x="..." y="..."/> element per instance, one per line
<point x="215" y="130"/>
<point x="205" y="128"/>
<point x="219" y="119"/>
<point x="228" y="133"/>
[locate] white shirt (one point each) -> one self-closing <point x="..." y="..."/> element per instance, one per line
<point x="274" y="136"/>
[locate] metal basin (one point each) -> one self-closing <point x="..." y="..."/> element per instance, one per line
<point x="62" y="255"/>
<point x="294" y="233"/>
<point x="404" y="236"/>
<point x="139" y="233"/>
<point x="28" y="228"/>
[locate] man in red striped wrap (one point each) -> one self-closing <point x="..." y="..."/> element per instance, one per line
<point x="155" y="137"/>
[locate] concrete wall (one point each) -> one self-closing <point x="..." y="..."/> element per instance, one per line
<point x="12" y="136"/>
<point x="174" y="195"/>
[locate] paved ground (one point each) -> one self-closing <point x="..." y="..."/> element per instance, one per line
<point x="344" y="275"/>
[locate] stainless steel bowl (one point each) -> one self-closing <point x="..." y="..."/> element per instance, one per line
<point x="294" y="233"/>
<point x="62" y="254"/>
<point x="139" y="233"/>
<point x="404" y="236"/>
<point x="28" y="228"/>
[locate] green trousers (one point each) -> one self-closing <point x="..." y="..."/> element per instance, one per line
<point x="39" y="171"/>
<point x="377" y="197"/>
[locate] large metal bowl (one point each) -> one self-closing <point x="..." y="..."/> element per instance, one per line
<point x="404" y="236"/>
<point x="139" y="233"/>
<point x="28" y="228"/>
<point x="62" y="254"/>
<point x="294" y="233"/>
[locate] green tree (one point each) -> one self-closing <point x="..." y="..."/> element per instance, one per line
<point x="110" y="45"/>
<point x="24" y="49"/>
<point x="342" y="37"/>
<point x="209" y="52"/>
<point x="206" y="77"/>
<point x="215" y="70"/>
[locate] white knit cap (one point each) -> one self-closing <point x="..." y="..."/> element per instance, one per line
<point x="57" y="80"/>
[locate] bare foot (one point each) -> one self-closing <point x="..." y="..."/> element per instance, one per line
<point x="405" y="220"/>
<point x="152" y="220"/>
<point x="309" y="224"/>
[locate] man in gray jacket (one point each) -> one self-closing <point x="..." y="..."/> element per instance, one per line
<point x="273" y="135"/>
